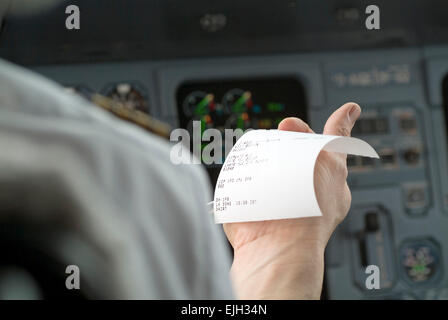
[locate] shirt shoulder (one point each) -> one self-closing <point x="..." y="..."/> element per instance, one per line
<point x="164" y="204"/>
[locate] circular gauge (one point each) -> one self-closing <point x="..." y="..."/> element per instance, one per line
<point x="201" y="106"/>
<point x="129" y="95"/>
<point x="199" y="103"/>
<point x="237" y="101"/>
<point x="420" y="261"/>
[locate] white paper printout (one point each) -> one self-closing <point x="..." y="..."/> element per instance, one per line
<point x="269" y="174"/>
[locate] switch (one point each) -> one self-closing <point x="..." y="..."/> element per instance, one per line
<point x="411" y="156"/>
<point x="371" y="222"/>
<point x="372" y="244"/>
<point x="415" y="198"/>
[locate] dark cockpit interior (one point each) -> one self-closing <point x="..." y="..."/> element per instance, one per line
<point x="249" y="64"/>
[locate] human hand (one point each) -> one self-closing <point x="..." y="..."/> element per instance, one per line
<point x="293" y="246"/>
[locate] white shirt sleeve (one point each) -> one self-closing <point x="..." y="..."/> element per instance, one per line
<point x="148" y="214"/>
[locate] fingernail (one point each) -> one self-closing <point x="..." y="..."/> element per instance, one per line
<point x="354" y="113"/>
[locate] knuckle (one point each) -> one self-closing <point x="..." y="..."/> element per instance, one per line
<point x="343" y="131"/>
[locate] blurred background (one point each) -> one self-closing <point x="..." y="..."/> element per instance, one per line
<point x="248" y="64"/>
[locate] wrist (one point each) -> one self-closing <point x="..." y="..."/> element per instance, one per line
<point x="283" y="267"/>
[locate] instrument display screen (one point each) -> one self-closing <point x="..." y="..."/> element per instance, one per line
<point x="230" y="104"/>
<point x="259" y="103"/>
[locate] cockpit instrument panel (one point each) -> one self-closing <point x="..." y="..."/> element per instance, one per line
<point x="231" y="104"/>
<point x="259" y="103"/>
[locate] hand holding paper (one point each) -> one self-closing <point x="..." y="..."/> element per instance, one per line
<point x="283" y="259"/>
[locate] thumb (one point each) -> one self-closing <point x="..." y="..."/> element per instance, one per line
<point x="341" y="122"/>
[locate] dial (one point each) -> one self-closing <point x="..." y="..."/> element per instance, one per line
<point x="201" y="106"/>
<point x="129" y="95"/>
<point x="238" y="101"/>
<point x="199" y="103"/>
<point x="420" y="261"/>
